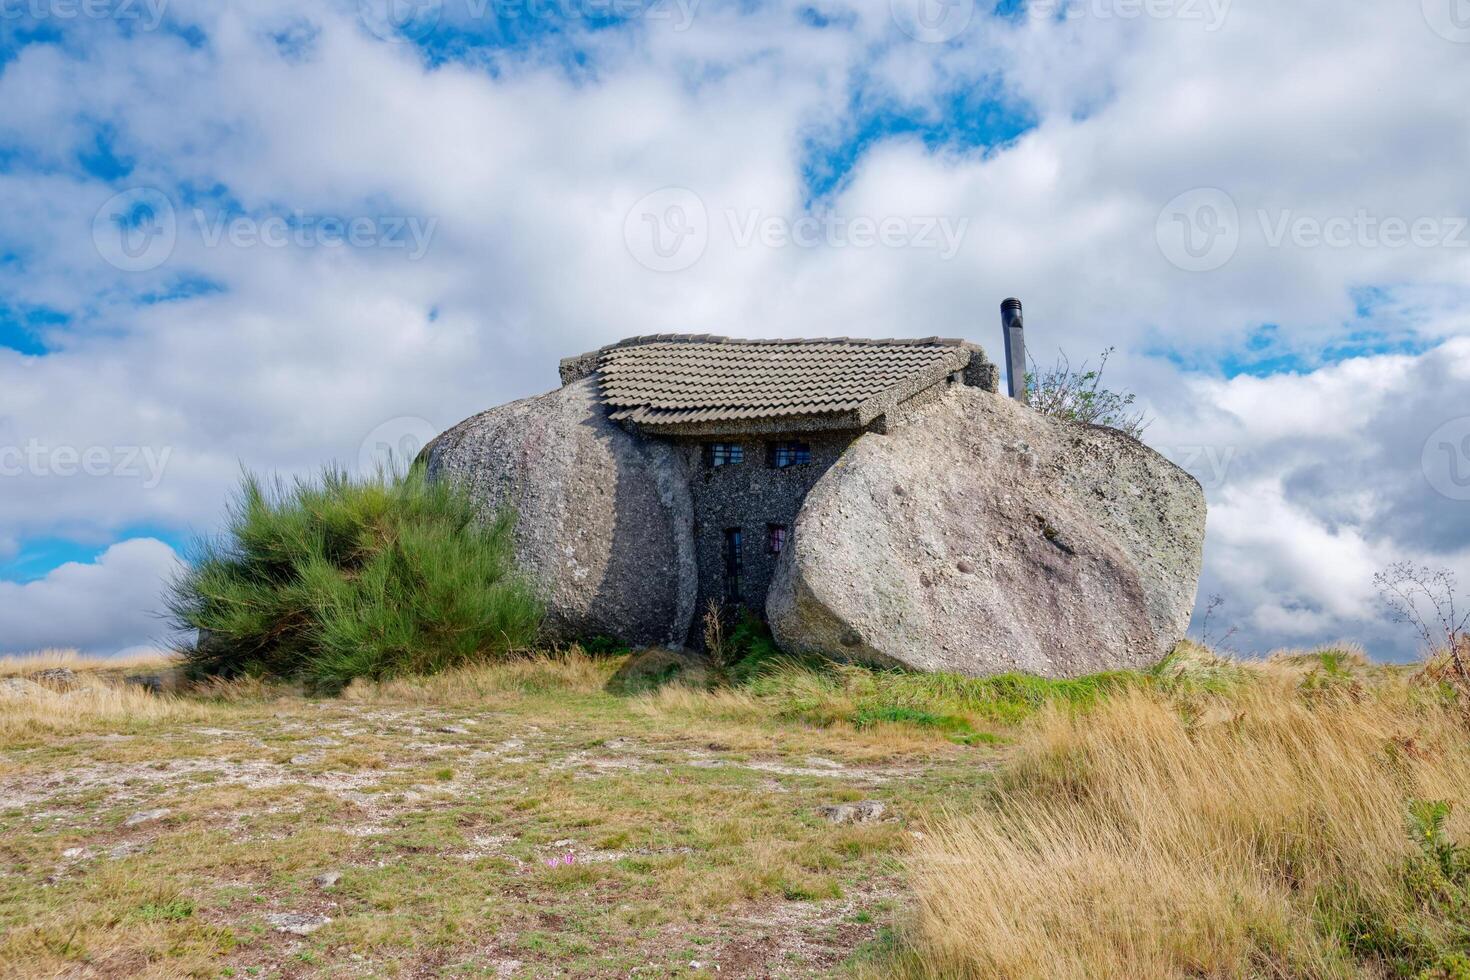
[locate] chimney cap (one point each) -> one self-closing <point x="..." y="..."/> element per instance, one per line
<point x="1011" y="304"/>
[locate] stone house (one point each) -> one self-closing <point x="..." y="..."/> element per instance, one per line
<point x="757" y="423"/>
<point x="875" y="500"/>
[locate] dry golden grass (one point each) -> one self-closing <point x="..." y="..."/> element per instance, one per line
<point x="18" y="665"/>
<point x="90" y="704"/>
<point x="570" y="671"/>
<point x="1262" y="831"/>
<point x="97" y="698"/>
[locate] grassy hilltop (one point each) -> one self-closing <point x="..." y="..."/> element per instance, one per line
<point x="432" y="794"/>
<point x="563" y="814"/>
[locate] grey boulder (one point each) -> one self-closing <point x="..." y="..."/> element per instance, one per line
<point x="602" y="519"/>
<point x="981" y="538"/>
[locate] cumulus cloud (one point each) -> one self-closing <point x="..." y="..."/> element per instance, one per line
<point x="100" y="607"/>
<point x="1317" y="481"/>
<point x="522" y="167"/>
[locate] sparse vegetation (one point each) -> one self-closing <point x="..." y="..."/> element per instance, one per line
<point x="338" y="578"/>
<point x="1429" y="600"/>
<point x="1305" y="816"/>
<point x="1078" y="395"/>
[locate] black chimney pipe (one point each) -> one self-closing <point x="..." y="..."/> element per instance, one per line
<point x="1013" y="324"/>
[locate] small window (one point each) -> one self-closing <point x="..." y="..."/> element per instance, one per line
<point x="784" y="454"/>
<point x="734" y="564"/>
<point x="775" y="538"/>
<point x="723" y="453"/>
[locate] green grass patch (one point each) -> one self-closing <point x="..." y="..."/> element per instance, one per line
<point x="174" y="911"/>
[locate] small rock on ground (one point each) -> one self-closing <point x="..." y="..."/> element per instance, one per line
<point x="56" y="677"/>
<point x="146" y="816"/>
<point x="327" y="879"/>
<point x="19" y="687"/>
<point x="865" y="811"/>
<point x="297" y="924"/>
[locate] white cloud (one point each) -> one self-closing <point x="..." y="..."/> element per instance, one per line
<point x="101" y="607"/>
<point x="1318" y="481"/>
<point x="528" y="170"/>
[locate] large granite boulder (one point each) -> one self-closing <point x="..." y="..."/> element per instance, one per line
<point x="981" y="537"/>
<point x="603" y="519"/>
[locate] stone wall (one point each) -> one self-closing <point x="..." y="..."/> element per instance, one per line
<point x="750" y="495"/>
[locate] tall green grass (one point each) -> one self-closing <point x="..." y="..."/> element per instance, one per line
<point x="336" y="578"/>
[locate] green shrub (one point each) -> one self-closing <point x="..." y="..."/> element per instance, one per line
<point x="1421" y="930"/>
<point x="338" y="578"/>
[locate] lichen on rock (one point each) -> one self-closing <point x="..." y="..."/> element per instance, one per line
<point x="982" y="538"/>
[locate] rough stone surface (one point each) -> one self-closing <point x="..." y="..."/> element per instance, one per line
<point x="146" y="816"/>
<point x="56" y="678"/>
<point x="981" y="537"/>
<point x="19" y="687"/>
<point x="865" y="811"/>
<point x="297" y="924"/>
<point x="603" y="519"/>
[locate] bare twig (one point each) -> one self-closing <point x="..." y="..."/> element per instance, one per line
<point x="1213" y="642"/>
<point x="1429" y="600"/>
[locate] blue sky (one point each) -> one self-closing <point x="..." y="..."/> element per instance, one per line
<point x="276" y="234"/>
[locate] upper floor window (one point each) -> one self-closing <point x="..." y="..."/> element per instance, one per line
<point x="723" y="453"/>
<point x="784" y="454"/>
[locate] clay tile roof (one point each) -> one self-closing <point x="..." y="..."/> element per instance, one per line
<point x="671" y="379"/>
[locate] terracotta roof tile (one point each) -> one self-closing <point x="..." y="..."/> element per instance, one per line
<point x="672" y="378"/>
